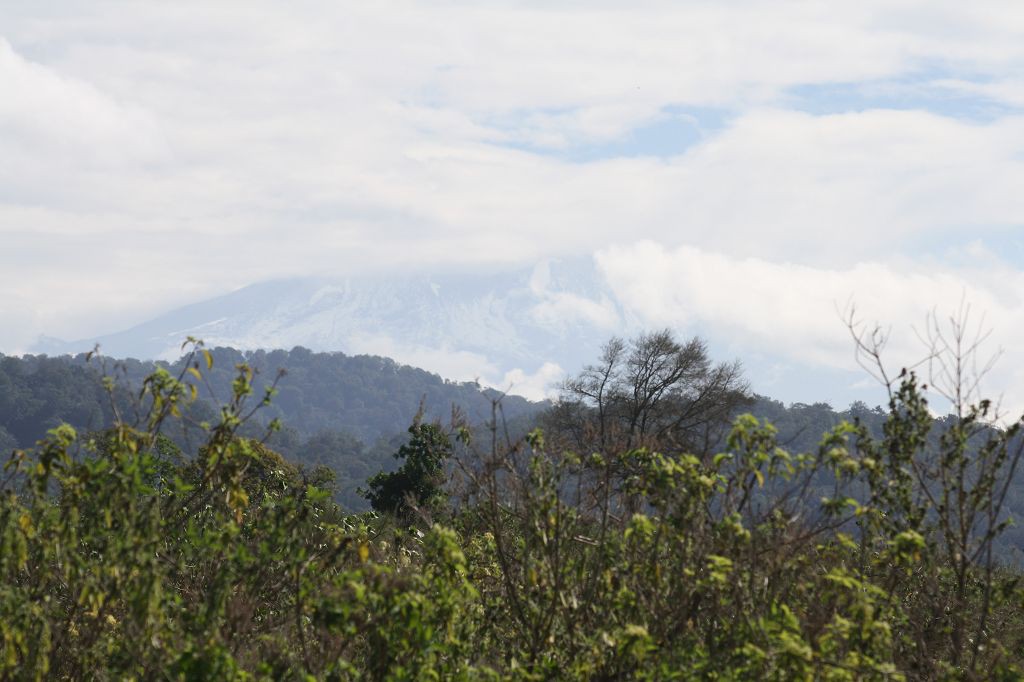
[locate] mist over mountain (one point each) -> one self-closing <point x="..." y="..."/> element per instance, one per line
<point x="516" y="329"/>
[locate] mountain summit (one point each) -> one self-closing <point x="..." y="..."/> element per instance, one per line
<point x="516" y="329"/>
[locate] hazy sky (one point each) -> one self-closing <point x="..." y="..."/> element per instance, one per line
<point x="736" y="168"/>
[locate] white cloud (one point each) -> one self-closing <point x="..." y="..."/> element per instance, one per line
<point x="57" y="118"/>
<point x="557" y="308"/>
<point x="463" y="366"/>
<point x="540" y="385"/>
<point x="1006" y="91"/>
<point x="795" y="312"/>
<point x="159" y="152"/>
<point x="450" y="363"/>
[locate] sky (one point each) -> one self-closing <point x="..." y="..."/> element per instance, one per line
<point x="740" y="170"/>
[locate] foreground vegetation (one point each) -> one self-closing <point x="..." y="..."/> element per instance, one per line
<point x="490" y="557"/>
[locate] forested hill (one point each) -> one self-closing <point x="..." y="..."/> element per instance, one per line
<point x="366" y="396"/>
<point x="349" y="413"/>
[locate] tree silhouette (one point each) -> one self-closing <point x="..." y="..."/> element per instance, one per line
<point x="417" y="484"/>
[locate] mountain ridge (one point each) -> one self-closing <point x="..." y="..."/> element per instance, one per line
<point x="520" y="329"/>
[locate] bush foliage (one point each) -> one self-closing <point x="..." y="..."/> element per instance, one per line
<point x="869" y="557"/>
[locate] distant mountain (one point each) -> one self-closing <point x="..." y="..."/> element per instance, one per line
<point x="520" y="328"/>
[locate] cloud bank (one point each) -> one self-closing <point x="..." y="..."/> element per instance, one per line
<point x="159" y="153"/>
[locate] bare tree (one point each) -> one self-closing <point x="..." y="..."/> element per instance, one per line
<point x="952" y="492"/>
<point x="652" y="391"/>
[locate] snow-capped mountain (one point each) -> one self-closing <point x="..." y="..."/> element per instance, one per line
<point x="521" y="329"/>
